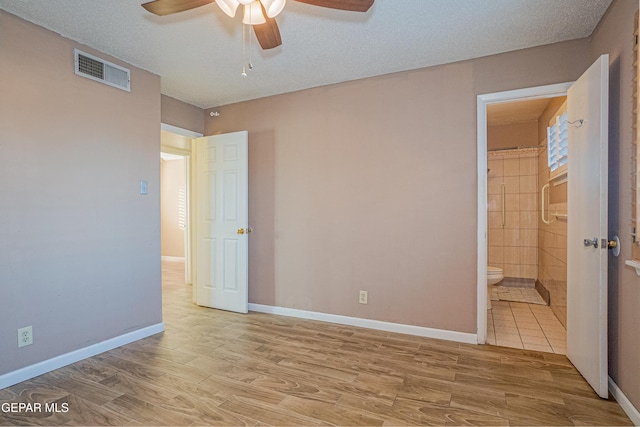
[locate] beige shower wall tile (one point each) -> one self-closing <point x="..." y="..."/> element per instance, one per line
<point x="512" y="184"/>
<point x="495" y="237"/>
<point x="511" y="270"/>
<point x="512" y="255"/>
<point x="495" y="255"/>
<point x="529" y="255"/>
<point x="494" y="202"/>
<point x="528" y="166"/>
<point x="528" y="202"/>
<point x="494" y="219"/>
<point x="528" y="184"/>
<point x="528" y="237"/>
<point x="495" y="166"/>
<point x="512" y="167"/>
<point x="494" y="185"/>
<point x="528" y="219"/>
<point x="529" y="271"/>
<point x="561" y="241"/>
<point x="511" y="237"/>
<point x="512" y="220"/>
<point x="512" y="203"/>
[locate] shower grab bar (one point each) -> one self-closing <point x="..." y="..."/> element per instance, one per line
<point x="546" y="221"/>
<point x="504" y="213"/>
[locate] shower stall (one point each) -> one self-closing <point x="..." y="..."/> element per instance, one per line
<point x="512" y="203"/>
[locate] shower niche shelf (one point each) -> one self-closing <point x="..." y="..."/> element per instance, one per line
<point x="559" y="178"/>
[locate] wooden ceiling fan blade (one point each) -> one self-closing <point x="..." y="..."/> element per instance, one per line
<point x="268" y="34"/>
<point x="168" y="7"/>
<point x="352" y="5"/>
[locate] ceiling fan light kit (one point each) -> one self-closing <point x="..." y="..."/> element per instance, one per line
<point x="229" y="7"/>
<point x="253" y="14"/>
<point x="253" y="9"/>
<point x="273" y="7"/>
<point x="259" y="14"/>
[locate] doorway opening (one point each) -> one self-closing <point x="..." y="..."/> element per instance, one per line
<point x="176" y="207"/>
<point x="509" y="213"/>
<point x="173" y="218"/>
<point x="527" y="225"/>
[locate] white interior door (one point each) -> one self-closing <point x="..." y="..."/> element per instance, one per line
<point x="221" y="279"/>
<point x="588" y="100"/>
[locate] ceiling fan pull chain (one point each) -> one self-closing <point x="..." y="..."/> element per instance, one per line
<point x="244" y="55"/>
<point x="250" y="48"/>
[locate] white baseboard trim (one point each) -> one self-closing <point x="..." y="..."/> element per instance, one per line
<point x="368" y="323"/>
<point x="173" y="258"/>
<point x="626" y="405"/>
<point x="28" y="372"/>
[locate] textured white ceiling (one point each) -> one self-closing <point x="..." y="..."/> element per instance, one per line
<point x="516" y="112"/>
<point x="198" y="53"/>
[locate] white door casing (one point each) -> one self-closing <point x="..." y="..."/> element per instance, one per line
<point x="549" y="91"/>
<point x="221" y="188"/>
<point x="588" y="100"/>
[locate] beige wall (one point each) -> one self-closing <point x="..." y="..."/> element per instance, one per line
<point x="372" y="185"/>
<point x="172" y="185"/>
<point x="180" y="114"/>
<point x="512" y="135"/>
<point x="79" y="246"/>
<point x="614" y="35"/>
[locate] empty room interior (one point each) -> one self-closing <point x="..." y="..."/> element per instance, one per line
<point x="252" y="212"/>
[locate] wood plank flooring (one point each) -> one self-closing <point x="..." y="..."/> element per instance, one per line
<point x="213" y="367"/>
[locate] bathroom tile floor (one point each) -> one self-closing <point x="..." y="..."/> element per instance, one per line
<point x="525" y="326"/>
<point x="507" y="293"/>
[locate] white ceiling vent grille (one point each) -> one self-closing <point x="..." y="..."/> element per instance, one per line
<point x="102" y="71"/>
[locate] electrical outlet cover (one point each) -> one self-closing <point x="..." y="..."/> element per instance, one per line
<point x="25" y="336"/>
<point x="363" y="297"/>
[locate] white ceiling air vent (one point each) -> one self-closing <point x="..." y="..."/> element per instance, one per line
<point x="101" y="71"/>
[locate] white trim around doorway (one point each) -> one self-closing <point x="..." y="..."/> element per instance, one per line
<point x="483" y="100"/>
<point x="179" y="131"/>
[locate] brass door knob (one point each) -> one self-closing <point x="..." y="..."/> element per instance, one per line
<point x="240" y="231"/>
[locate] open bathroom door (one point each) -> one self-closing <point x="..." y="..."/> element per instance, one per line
<point x="588" y="111"/>
<point x="221" y="198"/>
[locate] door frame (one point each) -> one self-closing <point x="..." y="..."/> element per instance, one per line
<point x="188" y="158"/>
<point x="483" y="100"/>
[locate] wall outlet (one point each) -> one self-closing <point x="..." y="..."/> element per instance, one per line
<point x="364" y="295"/>
<point x="25" y="336"/>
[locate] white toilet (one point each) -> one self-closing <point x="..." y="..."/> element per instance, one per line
<point x="494" y="276"/>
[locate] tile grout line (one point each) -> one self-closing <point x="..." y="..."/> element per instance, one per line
<point x="516" y="323"/>
<point x="540" y="326"/>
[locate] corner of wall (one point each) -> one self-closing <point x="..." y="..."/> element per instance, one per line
<point x="182" y="115"/>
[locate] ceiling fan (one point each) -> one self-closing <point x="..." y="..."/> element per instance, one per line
<point x="259" y="14"/>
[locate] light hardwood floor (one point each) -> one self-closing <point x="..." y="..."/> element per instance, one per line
<point x="212" y="367"/>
